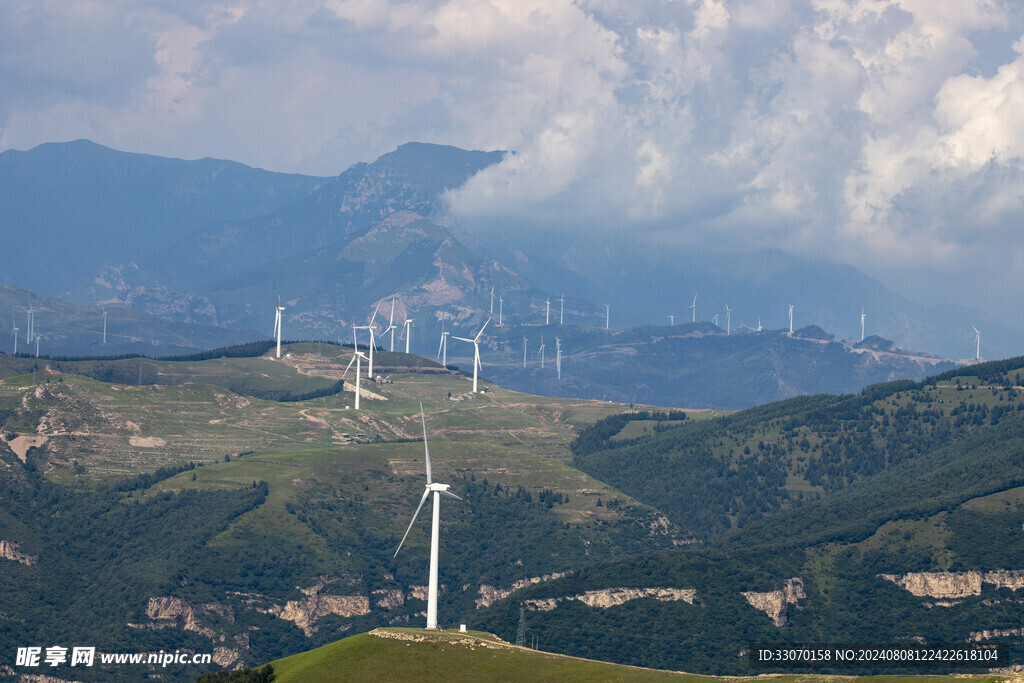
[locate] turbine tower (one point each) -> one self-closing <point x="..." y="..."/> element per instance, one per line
<point x="524" y="352"/>
<point x="977" y="350"/>
<point x="561" y="311"/>
<point x="104" y="327"/>
<point x="15" y="335"/>
<point x="547" y="312"/>
<point x="442" y="349"/>
<point x="408" y="332"/>
<point x="541" y="352"/>
<point x="862" y="323"/>
<point x="728" y="320"/>
<point x="607" y="315"/>
<point x="791" y="318"/>
<point x="438" y="490"/>
<point x="693" y="306"/>
<point x="356" y="358"/>
<point x="475" y="341"/>
<point x="492" y="300"/>
<point x="558" y="356"/>
<point x="30" y="330"/>
<point x="714" y="321"/>
<point x="369" y="362"/>
<point x="501" y="306"/>
<point x="671" y="320"/>
<point x="391" y="325"/>
<point x="277" y="324"/>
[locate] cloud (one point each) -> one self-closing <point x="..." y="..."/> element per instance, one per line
<point x="879" y="132"/>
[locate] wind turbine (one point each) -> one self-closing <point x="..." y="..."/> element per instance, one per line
<point x="791" y="318"/>
<point x="862" y="316"/>
<point x="501" y="306"/>
<point x="607" y="315"/>
<point x="408" y="332"/>
<point x="475" y="341"/>
<point x="547" y="312"/>
<point x="104" y="327"/>
<point x="369" y="364"/>
<point x="561" y="311"/>
<point x="759" y="326"/>
<point x="30" y="331"/>
<point x="277" y="324"/>
<point x="492" y="300"/>
<point x="728" y="320"/>
<point x="356" y="358"/>
<point x="671" y="320"/>
<point x="524" y="352"/>
<point x="541" y="352"/>
<point x="442" y="349"/>
<point x="438" y="490"/>
<point x="391" y="325"/>
<point x="558" y="356"/>
<point x="694" y="307"/>
<point x="714" y="321"/>
<point x="15" y="335"/>
<point x="977" y="351"/>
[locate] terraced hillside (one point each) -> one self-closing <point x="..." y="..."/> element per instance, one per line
<point x="303" y="502"/>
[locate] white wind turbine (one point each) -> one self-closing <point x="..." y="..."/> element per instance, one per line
<point x="759" y="325"/>
<point x="714" y="321"/>
<point x="442" y="349"/>
<point x="369" y="363"/>
<point x="558" y="356"/>
<point x="30" y="330"/>
<point x="547" y="312"/>
<point x="561" y="311"/>
<point x="977" y="350"/>
<point x="524" y="352"/>
<point x="438" y="490"/>
<point x="408" y="332"/>
<point x="475" y="341"/>
<point x="607" y="315"/>
<point x="694" y="307"/>
<point x="357" y="357"/>
<point x="862" y="316"/>
<point x="541" y="352"/>
<point x="791" y="318"/>
<point x="501" y="306"/>
<point x="492" y="300"/>
<point x="15" y="335"/>
<point x="104" y="327"/>
<point x="728" y="320"/>
<point x="671" y="320"/>
<point x="391" y="325"/>
<point x="277" y="324"/>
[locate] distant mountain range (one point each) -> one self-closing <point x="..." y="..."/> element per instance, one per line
<point x="215" y="243"/>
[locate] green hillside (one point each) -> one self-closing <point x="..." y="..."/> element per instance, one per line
<point x="890" y="516"/>
<point x="302" y="502"/>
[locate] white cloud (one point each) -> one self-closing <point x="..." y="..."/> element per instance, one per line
<point x="872" y="130"/>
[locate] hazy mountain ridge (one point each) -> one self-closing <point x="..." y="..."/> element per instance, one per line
<point x="69" y="208"/>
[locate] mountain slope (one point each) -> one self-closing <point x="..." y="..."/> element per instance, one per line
<point x="69" y="208"/>
<point x="890" y="516"/>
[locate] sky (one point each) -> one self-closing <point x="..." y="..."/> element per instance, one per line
<point x="886" y="134"/>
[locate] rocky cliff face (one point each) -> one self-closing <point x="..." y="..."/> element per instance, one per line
<point x="9" y="550"/>
<point x="776" y="603"/>
<point x="491" y="594"/>
<point x="955" y="585"/>
<point x="610" y="597"/>
<point x="317" y="604"/>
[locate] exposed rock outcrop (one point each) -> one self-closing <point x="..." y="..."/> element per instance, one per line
<point x="955" y="585"/>
<point x="776" y="603"/>
<point x="9" y="550"/>
<point x="178" y="613"/>
<point x="491" y="594"/>
<point x="610" y="597"/>
<point x="986" y="634"/>
<point x="388" y="598"/>
<point x="304" y="613"/>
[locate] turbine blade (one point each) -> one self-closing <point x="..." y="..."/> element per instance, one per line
<point x="439" y="345"/>
<point x="481" y="330"/>
<point x="462" y="339"/>
<point x="374" y="316"/>
<point x="391" y="320"/>
<point x="426" y="448"/>
<point x="414" y="516"/>
<point x="450" y="495"/>
<point x="349" y="366"/>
